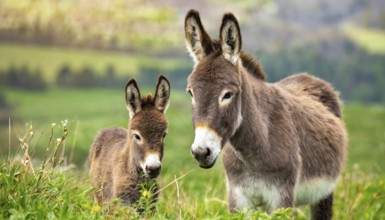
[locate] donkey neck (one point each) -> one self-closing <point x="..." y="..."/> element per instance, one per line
<point x="127" y="160"/>
<point x="251" y="140"/>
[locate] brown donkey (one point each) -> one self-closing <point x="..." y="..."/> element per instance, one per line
<point x="124" y="159"/>
<point x="287" y="141"/>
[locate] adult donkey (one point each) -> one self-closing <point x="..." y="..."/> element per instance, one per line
<point x="288" y="141"/>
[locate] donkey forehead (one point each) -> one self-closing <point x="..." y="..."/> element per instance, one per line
<point x="149" y="122"/>
<point x="214" y="70"/>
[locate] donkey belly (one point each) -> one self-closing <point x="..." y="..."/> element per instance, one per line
<point x="312" y="191"/>
<point x="252" y="193"/>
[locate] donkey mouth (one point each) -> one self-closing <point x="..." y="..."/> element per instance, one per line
<point x="153" y="174"/>
<point x="206" y="164"/>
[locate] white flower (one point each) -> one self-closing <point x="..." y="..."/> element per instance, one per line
<point x="64" y="123"/>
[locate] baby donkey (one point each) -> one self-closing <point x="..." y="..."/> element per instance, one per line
<point x="123" y="160"/>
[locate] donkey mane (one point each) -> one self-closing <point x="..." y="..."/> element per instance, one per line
<point x="249" y="62"/>
<point x="148" y="101"/>
<point x="252" y="65"/>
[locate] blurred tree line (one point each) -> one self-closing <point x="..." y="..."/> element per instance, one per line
<point x="67" y="77"/>
<point x="357" y="74"/>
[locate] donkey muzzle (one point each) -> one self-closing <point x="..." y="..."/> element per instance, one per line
<point x="204" y="157"/>
<point x="153" y="170"/>
<point x="206" y="146"/>
<point x="152" y="166"/>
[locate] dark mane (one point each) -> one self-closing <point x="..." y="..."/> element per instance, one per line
<point x="148" y="100"/>
<point x="251" y="64"/>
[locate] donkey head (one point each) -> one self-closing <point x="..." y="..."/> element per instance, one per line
<point x="214" y="85"/>
<point x="148" y="125"/>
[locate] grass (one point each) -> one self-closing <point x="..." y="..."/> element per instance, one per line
<point x="372" y="40"/>
<point x="367" y="136"/>
<point x="50" y="59"/>
<point x="199" y="194"/>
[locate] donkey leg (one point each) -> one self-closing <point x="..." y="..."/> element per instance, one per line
<point x="323" y="210"/>
<point x="284" y="199"/>
<point x="237" y="200"/>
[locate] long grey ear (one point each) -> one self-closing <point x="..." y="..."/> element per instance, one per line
<point x="198" y="42"/>
<point x="162" y="94"/>
<point x="230" y="37"/>
<point x="133" y="99"/>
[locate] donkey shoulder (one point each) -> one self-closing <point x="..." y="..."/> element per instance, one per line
<point x="107" y="138"/>
<point x="318" y="89"/>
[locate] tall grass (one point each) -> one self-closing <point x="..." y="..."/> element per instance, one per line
<point x="50" y="191"/>
<point x="47" y="191"/>
<point x="32" y="191"/>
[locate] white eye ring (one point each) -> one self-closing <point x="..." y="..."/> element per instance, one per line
<point x="190" y="92"/>
<point x="226" y="97"/>
<point x="192" y="95"/>
<point x="136" y="136"/>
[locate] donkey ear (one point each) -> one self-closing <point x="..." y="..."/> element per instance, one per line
<point x="162" y="94"/>
<point x="230" y="37"/>
<point x="198" y="42"/>
<point x="133" y="99"/>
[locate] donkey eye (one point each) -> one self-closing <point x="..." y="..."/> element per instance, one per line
<point x="189" y="91"/>
<point x="227" y="95"/>
<point x="164" y="135"/>
<point x="137" y="137"/>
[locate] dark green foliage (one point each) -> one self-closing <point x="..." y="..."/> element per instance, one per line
<point x="23" y="78"/>
<point x="64" y="77"/>
<point x="177" y="77"/>
<point x="88" y="78"/>
<point x="357" y="74"/>
<point x="3" y="99"/>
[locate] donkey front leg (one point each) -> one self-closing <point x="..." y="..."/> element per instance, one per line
<point x="282" y="198"/>
<point x="237" y="200"/>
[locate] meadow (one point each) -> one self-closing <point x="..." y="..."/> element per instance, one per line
<point x="50" y="59"/>
<point x="190" y="192"/>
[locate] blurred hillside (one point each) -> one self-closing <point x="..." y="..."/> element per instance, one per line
<point x="340" y="41"/>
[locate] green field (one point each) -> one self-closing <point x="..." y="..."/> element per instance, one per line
<point x="50" y="59"/>
<point x="202" y="194"/>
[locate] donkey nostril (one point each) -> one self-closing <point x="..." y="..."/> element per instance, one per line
<point x="153" y="169"/>
<point x="208" y="152"/>
<point x="201" y="153"/>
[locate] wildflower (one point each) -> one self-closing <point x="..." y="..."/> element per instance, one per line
<point x="58" y="140"/>
<point x="96" y="208"/>
<point x="144" y="193"/>
<point x="64" y="123"/>
<point x="53" y="125"/>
